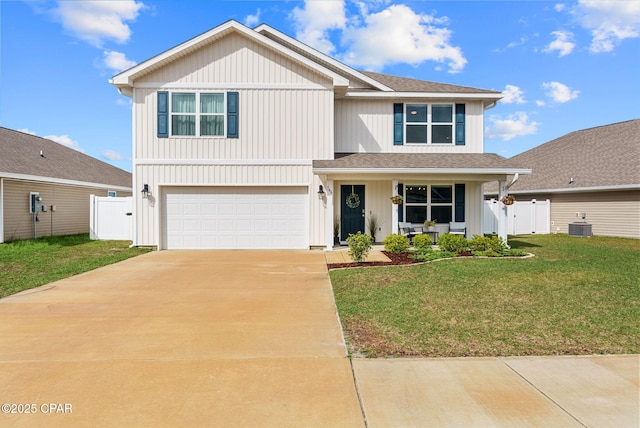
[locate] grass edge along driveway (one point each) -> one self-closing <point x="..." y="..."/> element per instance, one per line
<point x="576" y="296"/>
<point x="31" y="263"/>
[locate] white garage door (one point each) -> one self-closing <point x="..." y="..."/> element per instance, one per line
<point x="235" y="218"/>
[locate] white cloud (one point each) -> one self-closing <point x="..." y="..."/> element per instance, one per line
<point x="559" y="7"/>
<point x="563" y="43"/>
<point x="252" y="20"/>
<point x="559" y="92"/>
<point x="381" y="40"/>
<point x="112" y="155"/>
<point x="514" y="125"/>
<point x="512" y="94"/>
<point x="116" y="61"/>
<point x="371" y="40"/>
<point x="95" y="21"/>
<point x="316" y="19"/>
<point x="27" y="131"/>
<point x="65" y="140"/>
<point x="540" y="103"/>
<point x="610" y="22"/>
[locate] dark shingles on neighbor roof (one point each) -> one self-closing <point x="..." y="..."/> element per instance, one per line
<point x="354" y="161"/>
<point x="603" y="156"/>
<point x="405" y="84"/>
<point x="20" y="154"/>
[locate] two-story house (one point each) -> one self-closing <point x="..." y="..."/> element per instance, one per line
<point x="247" y="138"/>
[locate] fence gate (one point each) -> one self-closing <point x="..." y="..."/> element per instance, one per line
<point x="111" y="218"/>
<point x="524" y="217"/>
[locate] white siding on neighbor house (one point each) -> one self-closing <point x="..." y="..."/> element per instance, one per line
<point x="235" y="59"/>
<point x="273" y="124"/>
<point x="366" y="126"/>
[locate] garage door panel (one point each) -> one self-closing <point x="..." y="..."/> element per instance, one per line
<point x="236" y="218"/>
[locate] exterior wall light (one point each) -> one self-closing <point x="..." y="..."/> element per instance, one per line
<point x="145" y="191"/>
<point x="321" y="192"/>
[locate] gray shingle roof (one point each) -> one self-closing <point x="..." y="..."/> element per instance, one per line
<point x="20" y="154"/>
<point x="355" y="161"/>
<point x="604" y="156"/>
<point x="405" y="84"/>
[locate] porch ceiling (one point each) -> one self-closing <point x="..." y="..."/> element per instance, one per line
<point x="478" y="166"/>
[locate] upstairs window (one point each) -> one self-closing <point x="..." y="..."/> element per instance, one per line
<point x="197" y="114"/>
<point x="429" y="124"/>
<point x="192" y="118"/>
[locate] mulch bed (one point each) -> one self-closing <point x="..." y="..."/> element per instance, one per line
<point x="396" y="259"/>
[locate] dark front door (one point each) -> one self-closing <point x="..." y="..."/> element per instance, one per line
<point x="352" y="210"/>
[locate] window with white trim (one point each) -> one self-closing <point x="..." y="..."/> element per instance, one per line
<point x="429" y="124"/>
<point x="197" y="114"/>
<point x="424" y="202"/>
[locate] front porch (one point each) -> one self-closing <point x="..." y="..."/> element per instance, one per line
<point x="352" y="197"/>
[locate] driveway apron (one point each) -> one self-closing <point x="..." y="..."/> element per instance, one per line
<point x="180" y="338"/>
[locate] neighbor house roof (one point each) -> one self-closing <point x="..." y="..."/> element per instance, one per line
<point x="600" y="158"/>
<point x="469" y="163"/>
<point x="21" y="158"/>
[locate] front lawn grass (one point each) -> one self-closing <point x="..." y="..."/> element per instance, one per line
<point x="576" y="296"/>
<point x="31" y="263"/>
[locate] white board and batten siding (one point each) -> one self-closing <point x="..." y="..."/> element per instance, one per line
<point x="366" y="126"/>
<point x="523" y="217"/>
<point x="235" y="218"/>
<point x="111" y="218"/>
<point x="285" y="121"/>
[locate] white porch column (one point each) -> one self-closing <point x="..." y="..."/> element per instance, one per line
<point x="328" y="188"/>
<point x="503" y="219"/>
<point x="394" y="208"/>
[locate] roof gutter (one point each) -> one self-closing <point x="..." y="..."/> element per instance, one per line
<point x="492" y="105"/>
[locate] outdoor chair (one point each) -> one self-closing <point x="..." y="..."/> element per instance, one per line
<point x="458" y="228"/>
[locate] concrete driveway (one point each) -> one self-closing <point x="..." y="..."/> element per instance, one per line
<point x="193" y="338"/>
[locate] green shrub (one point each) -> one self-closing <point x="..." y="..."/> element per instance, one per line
<point x="359" y="246"/>
<point x="491" y="244"/>
<point x="396" y="244"/>
<point x="454" y="243"/>
<point x="422" y="241"/>
<point x="429" y="254"/>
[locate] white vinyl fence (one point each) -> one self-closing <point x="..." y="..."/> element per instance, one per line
<point x="524" y="217"/>
<point x="111" y="218"/>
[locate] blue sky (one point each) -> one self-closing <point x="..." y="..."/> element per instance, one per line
<point x="562" y="66"/>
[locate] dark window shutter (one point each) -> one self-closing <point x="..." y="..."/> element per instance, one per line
<point x="163" y="114"/>
<point x="398" y="124"/>
<point x="459" y="216"/>
<point x="401" y="206"/>
<point x="232" y="114"/>
<point x="460" y="124"/>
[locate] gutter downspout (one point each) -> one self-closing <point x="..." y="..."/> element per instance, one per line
<point x="513" y="181"/>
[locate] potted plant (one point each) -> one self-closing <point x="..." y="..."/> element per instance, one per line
<point x="430" y="225"/>
<point x="508" y="199"/>
<point x="336" y="230"/>
<point x="396" y="199"/>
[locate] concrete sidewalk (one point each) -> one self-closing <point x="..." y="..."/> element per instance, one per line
<point x="591" y="391"/>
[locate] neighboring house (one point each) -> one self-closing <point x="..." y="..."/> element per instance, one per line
<point x="247" y="138"/>
<point x="33" y="168"/>
<point x="594" y="171"/>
